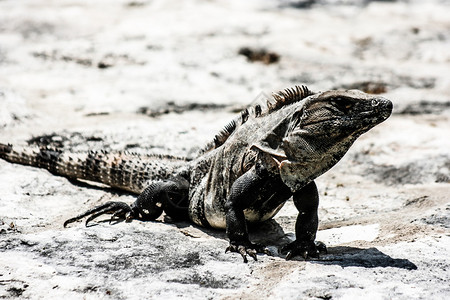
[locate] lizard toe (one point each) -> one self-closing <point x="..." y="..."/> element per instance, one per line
<point x="306" y="249"/>
<point x="247" y="249"/>
<point x="117" y="209"/>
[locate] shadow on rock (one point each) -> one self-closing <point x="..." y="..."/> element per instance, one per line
<point x="271" y="234"/>
<point x="363" y="257"/>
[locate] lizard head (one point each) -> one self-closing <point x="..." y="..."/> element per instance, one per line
<point x="320" y="130"/>
<point x="332" y="120"/>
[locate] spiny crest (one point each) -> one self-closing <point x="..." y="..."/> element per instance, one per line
<point x="5" y="148"/>
<point x="223" y="135"/>
<point x="287" y="96"/>
<point x="279" y="100"/>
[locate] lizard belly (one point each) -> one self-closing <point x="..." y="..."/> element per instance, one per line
<point x="258" y="215"/>
<point x="206" y="208"/>
<point x="215" y="214"/>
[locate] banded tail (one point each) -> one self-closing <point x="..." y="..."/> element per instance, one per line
<point x="122" y="170"/>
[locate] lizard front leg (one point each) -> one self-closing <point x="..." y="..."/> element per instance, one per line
<point x="307" y="201"/>
<point x="244" y="192"/>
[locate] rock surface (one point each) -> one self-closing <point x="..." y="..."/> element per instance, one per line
<point x="163" y="77"/>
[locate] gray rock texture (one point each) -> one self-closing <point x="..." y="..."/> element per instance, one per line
<point x="164" y="77"/>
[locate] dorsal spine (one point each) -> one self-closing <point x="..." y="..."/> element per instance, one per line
<point x="276" y="102"/>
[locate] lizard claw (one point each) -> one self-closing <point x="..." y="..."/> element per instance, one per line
<point x="243" y="252"/>
<point x="321" y="247"/>
<point x="119" y="214"/>
<point x="247" y="248"/>
<point x="289" y="255"/>
<point x="252" y="254"/>
<point x="305" y="254"/>
<point x="305" y="249"/>
<point x="117" y="209"/>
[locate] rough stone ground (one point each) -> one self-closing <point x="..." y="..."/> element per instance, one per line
<point x="163" y="77"/>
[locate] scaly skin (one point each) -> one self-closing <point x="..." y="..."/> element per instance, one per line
<point x="261" y="159"/>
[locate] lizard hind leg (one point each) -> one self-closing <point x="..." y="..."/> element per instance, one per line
<point x="147" y="207"/>
<point x="170" y="196"/>
<point x="176" y="199"/>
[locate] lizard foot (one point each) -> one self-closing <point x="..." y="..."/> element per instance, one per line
<point x="305" y="249"/>
<point x="247" y="248"/>
<point x="117" y="209"/>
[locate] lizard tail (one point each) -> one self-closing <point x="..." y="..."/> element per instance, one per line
<point x="122" y="170"/>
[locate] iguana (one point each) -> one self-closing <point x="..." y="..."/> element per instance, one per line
<point x="266" y="155"/>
